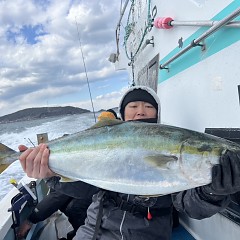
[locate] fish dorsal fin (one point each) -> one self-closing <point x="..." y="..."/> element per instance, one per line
<point x="162" y="161"/>
<point x="106" y="122"/>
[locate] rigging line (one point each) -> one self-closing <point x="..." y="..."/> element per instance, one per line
<point x="118" y="30"/>
<point x="122" y="11"/>
<point x="85" y="69"/>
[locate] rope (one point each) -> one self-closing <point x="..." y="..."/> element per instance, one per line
<point x="129" y="29"/>
<point x="85" y="69"/>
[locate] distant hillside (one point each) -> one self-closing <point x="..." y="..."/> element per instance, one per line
<point x="42" y="112"/>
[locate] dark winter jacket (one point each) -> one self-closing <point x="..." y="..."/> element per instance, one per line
<point x="115" y="216"/>
<point x="135" y="225"/>
<point x="72" y="199"/>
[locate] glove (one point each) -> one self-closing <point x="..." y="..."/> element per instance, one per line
<point x="225" y="176"/>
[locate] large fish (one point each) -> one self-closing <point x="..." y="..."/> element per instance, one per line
<point x="138" y="158"/>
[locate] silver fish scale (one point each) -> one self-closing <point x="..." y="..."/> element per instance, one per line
<point x="138" y="158"/>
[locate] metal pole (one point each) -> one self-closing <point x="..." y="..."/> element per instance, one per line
<point x="122" y="13"/>
<point x="203" y="23"/>
<point x="217" y="26"/>
<point x="209" y="32"/>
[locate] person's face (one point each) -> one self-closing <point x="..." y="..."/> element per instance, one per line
<point x="139" y="110"/>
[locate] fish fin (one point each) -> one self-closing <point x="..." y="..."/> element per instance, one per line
<point x="66" y="179"/>
<point x="106" y="122"/>
<point x="160" y="160"/>
<point x="151" y="196"/>
<point x="3" y="167"/>
<point x="7" y="156"/>
<point x="6" y="150"/>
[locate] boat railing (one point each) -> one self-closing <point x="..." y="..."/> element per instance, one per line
<point x="202" y="23"/>
<point x="197" y="41"/>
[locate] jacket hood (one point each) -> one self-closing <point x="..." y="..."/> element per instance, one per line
<point x="147" y="89"/>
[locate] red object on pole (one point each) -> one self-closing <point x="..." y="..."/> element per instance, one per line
<point x="163" y="22"/>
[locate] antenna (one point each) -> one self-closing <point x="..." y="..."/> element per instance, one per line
<point x="85" y="69"/>
<point x="29" y="140"/>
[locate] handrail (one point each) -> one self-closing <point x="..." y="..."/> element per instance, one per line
<point x="209" y="32"/>
<point x="202" y="23"/>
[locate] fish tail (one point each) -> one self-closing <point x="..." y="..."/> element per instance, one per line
<point x="7" y="156"/>
<point x="3" y="167"/>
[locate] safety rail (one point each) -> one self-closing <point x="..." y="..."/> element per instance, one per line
<point x="196" y="42"/>
<point x="202" y="23"/>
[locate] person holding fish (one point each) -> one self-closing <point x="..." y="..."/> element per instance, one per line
<point x="114" y="215"/>
<point x="58" y="198"/>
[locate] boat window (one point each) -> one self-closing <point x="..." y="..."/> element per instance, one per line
<point x="148" y="75"/>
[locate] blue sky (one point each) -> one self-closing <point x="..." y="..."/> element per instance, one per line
<point x="41" y="62"/>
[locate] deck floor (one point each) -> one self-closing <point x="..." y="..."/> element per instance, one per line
<point x="180" y="233"/>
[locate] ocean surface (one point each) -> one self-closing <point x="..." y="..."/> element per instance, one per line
<point x="25" y="132"/>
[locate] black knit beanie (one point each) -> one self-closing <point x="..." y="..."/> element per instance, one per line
<point x="137" y="95"/>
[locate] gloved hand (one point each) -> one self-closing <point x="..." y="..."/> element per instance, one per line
<point x="225" y="176"/>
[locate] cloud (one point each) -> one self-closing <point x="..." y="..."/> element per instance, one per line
<point x="106" y="101"/>
<point x="41" y="44"/>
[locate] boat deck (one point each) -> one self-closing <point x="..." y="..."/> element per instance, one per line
<point x="180" y="233"/>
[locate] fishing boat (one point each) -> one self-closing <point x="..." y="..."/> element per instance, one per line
<point x="187" y="51"/>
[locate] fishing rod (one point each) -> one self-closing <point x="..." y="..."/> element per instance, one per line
<point x="85" y="69"/>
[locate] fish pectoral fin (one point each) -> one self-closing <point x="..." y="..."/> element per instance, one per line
<point x="162" y="161"/>
<point x="65" y="179"/>
<point x="106" y="122"/>
<point x="151" y="196"/>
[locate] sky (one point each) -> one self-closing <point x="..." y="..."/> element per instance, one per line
<point x="41" y="62"/>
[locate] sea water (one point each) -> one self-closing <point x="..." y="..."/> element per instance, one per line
<point x="25" y="132"/>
